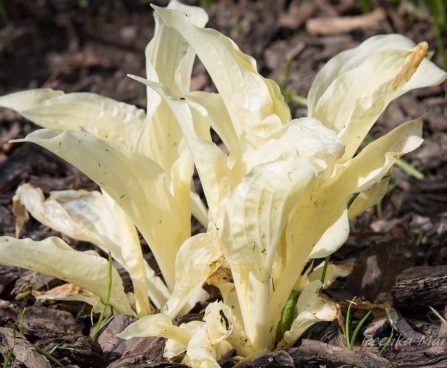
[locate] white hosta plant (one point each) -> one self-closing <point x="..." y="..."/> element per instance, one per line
<point x="276" y="201"/>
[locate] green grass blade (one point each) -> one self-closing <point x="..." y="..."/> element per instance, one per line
<point x="106" y="304"/>
<point x="357" y="329"/>
<point x="410" y="169"/>
<point x="48" y="356"/>
<point x="10" y="350"/>
<point x="387" y="342"/>
<point x="348" y="323"/>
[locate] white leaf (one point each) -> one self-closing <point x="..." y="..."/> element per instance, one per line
<point x="102" y="116"/>
<point x="135" y="182"/>
<point x="54" y="257"/>
<point x="254" y="104"/>
<point x="197" y="258"/>
<point x="387" y="67"/>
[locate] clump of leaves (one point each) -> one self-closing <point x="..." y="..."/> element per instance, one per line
<point x="278" y="199"/>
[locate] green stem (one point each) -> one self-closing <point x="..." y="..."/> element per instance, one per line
<point x="285" y="78"/>
<point x="290" y="96"/>
<point x="326" y="263"/>
<point x="287" y="315"/>
<point x="323" y="274"/>
<point x="106" y="304"/>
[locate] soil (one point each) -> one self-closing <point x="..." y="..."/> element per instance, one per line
<point x="398" y="248"/>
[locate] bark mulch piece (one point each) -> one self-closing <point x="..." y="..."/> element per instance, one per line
<point x="23" y="352"/>
<point x="377" y="267"/>
<point x="47" y="322"/>
<point x="112" y="346"/>
<point x="74" y="350"/>
<point x="144" y="352"/>
<point x="313" y="353"/>
<point x="31" y="280"/>
<point x="431" y="354"/>
<point x="8" y="275"/>
<point x="421" y="286"/>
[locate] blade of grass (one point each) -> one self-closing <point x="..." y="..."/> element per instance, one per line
<point x="357" y="329"/>
<point x="24" y="294"/>
<point x="410" y="169"/>
<point x="285" y="78"/>
<point x="348" y="322"/>
<point x="10" y="350"/>
<point x="22" y="315"/>
<point x="387" y="342"/>
<point x="106" y="304"/>
<point x="48" y="356"/>
<point x="439" y="20"/>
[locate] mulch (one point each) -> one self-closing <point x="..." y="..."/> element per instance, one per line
<point x="398" y="249"/>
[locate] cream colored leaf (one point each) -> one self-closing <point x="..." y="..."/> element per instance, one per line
<point x="24" y="100"/>
<point x="208" y="344"/>
<point x="210" y="161"/>
<point x="102" y="116"/>
<point x="238" y="338"/>
<point x="333" y="271"/>
<point x="178" y="337"/>
<point x="197" y="258"/>
<point x="54" y="257"/>
<point x="200" y="353"/>
<point x="116" y="121"/>
<point x="351" y="59"/>
<point x="254" y="105"/>
<point x="96" y="218"/>
<point x="368" y="198"/>
<point x="426" y="75"/>
<point x="306" y="138"/>
<point x="135" y="182"/>
<point x="326" y="199"/>
<point x="218" y="321"/>
<point x="174" y="348"/>
<point x="255" y="217"/>
<point x="220" y="120"/>
<point x="156" y="325"/>
<point x="375" y="160"/>
<point x="172" y="67"/>
<point x="351" y="108"/>
<point x="79" y="214"/>
<point x="333" y="238"/>
<point x="258" y="210"/>
<point x="173" y="64"/>
<point x="134" y="262"/>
